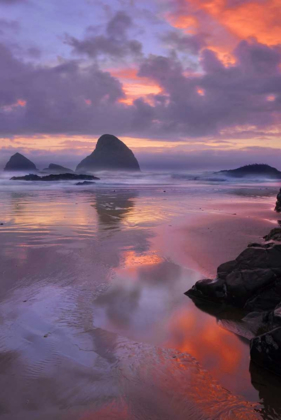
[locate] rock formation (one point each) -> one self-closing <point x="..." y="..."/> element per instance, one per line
<point x="58" y="177"/>
<point x="251" y="282"/>
<point x="57" y="169"/>
<point x="110" y="154"/>
<point x="85" y="183"/>
<point x="19" y="162"/>
<point x="260" y="170"/>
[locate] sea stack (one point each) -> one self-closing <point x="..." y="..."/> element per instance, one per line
<point x="110" y="154"/>
<point x="57" y="169"/>
<point x="19" y="162"/>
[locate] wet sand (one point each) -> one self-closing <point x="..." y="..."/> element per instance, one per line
<point x="94" y="320"/>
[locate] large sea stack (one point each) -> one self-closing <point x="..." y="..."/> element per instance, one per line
<point x="110" y="154"/>
<point x="19" y="162"/>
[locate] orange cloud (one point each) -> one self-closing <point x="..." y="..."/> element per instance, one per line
<point x="134" y="86"/>
<point x="19" y="103"/>
<point x="225" y="22"/>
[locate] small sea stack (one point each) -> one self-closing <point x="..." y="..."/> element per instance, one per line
<point x="18" y="162"/>
<point x="57" y="169"/>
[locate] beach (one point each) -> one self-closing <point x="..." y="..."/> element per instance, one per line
<point x="94" y="320"/>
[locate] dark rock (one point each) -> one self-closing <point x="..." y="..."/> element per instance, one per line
<point x="266" y="350"/>
<point x="252" y="281"/>
<point x="30" y="177"/>
<point x="274" y="235"/>
<point x="278" y="203"/>
<point x="253" y="170"/>
<point x="19" y="162"/>
<point x="85" y="183"/>
<point x="57" y="177"/>
<point x="53" y="168"/>
<point x="110" y="154"/>
<point x="207" y="288"/>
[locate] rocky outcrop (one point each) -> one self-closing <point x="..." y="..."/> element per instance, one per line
<point x="19" y="162"/>
<point x="57" y="177"/>
<point x="251" y="282"/>
<point x="110" y="154"/>
<point x="260" y="170"/>
<point x="274" y="235"/>
<point x="278" y="203"/>
<point x="266" y="350"/>
<point x="57" y="169"/>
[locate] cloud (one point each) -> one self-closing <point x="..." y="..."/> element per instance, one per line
<point x="226" y="22"/>
<point x="114" y="43"/>
<point x="184" y="43"/>
<point x="72" y="98"/>
<point x="202" y="105"/>
<point x="63" y="98"/>
<point x="11" y="26"/>
<point x="11" y="2"/>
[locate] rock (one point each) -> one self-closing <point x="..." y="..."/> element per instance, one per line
<point x="260" y="170"/>
<point x="207" y="288"/>
<point x="85" y="183"/>
<point x="57" y="177"/>
<point x="278" y="203"/>
<point x="266" y="350"/>
<point x="274" y="235"/>
<point x="30" y="177"/>
<point x="53" y="168"/>
<point x="252" y="281"/>
<point x="265" y="299"/>
<point x="19" y="162"/>
<point x="110" y="154"/>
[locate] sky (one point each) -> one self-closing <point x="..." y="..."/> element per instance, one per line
<point x="187" y="84"/>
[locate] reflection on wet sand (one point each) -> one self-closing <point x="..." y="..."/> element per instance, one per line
<point x="90" y="276"/>
<point x="114" y="207"/>
<point x="146" y="303"/>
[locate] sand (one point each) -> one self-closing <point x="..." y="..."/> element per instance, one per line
<point x="94" y="320"/>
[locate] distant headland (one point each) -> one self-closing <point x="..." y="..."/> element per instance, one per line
<point x="256" y="169"/>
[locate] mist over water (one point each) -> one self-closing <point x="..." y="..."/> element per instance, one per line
<point x="138" y="179"/>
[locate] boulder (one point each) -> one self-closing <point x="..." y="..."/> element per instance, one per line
<point x="274" y="235"/>
<point x="19" y="162"/>
<point x="266" y="350"/>
<point x="252" y="281"/>
<point x="110" y="154"/>
<point x="57" y="177"/>
<point x="57" y="169"/>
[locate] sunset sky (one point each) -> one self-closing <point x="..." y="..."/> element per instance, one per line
<point x="185" y="83"/>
